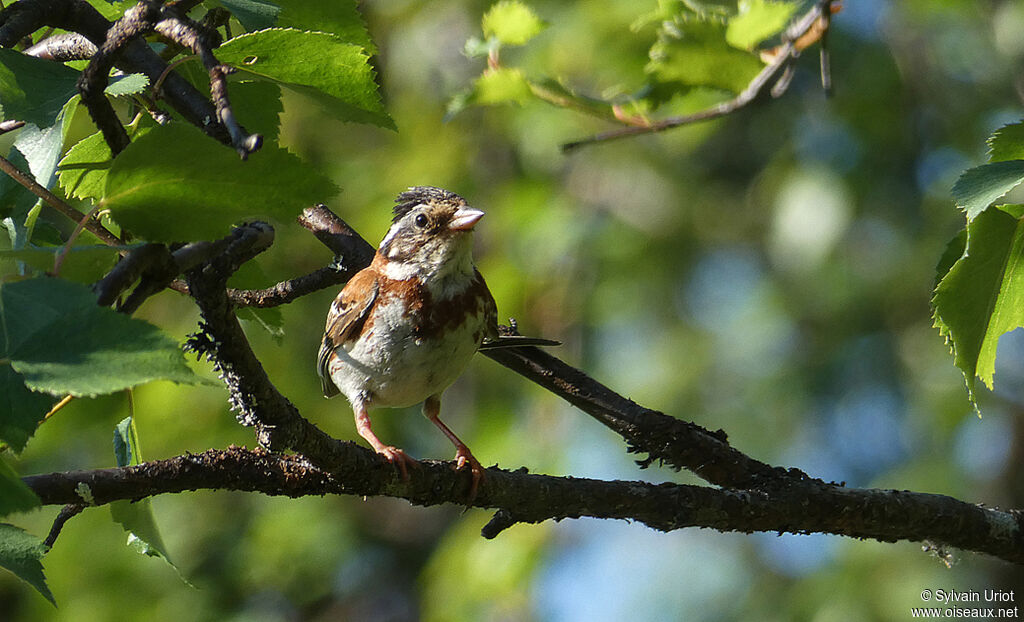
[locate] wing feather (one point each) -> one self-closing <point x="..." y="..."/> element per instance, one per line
<point x="347" y="316"/>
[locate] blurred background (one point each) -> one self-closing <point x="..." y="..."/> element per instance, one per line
<point x="768" y="274"/>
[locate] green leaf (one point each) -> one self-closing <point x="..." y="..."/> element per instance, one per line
<point x="58" y="339"/>
<point x="954" y="251"/>
<point x="20" y="553"/>
<point x="136" y="517"/>
<point x="504" y="85"/>
<point x="175" y="184"/>
<point x="982" y="295"/>
<point x="258" y="107"/>
<point x="84" y="264"/>
<point x="1007" y="143"/>
<point x="339" y="17"/>
<point x="335" y="74"/>
<point x="21" y="409"/>
<point x="978" y="187"/>
<point x="694" y="52"/>
<point x="42" y="147"/>
<point x="15" y="496"/>
<point x="126" y="438"/>
<point x="253" y="14"/>
<point x="34" y="90"/>
<point x="477" y="48"/>
<point x="512" y="23"/>
<point x="127" y="85"/>
<point x="112" y="10"/>
<point x="83" y="170"/>
<point x="758" y="20"/>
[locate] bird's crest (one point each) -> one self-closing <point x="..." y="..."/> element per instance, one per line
<point x="418" y="195"/>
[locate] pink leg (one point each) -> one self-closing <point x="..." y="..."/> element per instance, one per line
<point x="390" y="453"/>
<point x="432" y="411"/>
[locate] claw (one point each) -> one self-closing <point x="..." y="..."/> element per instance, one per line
<point x="464" y="457"/>
<point x="398" y="458"/>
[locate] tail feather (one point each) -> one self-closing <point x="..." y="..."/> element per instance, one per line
<point x="517" y="341"/>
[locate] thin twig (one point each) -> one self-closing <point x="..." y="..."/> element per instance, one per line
<point x="56" y="203"/>
<point x="58" y="259"/>
<point x="59" y="405"/>
<point x="66" y="513"/>
<point x="10" y="125"/>
<point x="201" y="41"/>
<point x="782" y="60"/>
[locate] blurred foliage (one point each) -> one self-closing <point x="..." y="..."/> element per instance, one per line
<point x="768" y="273"/>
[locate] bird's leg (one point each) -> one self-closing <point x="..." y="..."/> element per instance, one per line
<point x="432" y="411"/>
<point x="390" y="453"/>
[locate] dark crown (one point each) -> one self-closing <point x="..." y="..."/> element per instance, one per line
<point x="419" y="195"/>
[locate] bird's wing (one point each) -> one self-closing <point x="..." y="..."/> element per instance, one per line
<point x="347" y="315"/>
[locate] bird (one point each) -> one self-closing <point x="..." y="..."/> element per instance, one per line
<point x="404" y="328"/>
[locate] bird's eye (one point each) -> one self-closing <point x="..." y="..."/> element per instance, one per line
<point x="421" y="221"/>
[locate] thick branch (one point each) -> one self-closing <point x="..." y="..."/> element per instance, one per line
<point x="886" y="515"/>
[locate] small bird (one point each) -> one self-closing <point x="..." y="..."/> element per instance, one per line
<point x="405" y="327"/>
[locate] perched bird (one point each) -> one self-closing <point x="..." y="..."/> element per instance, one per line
<point x="405" y="327"/>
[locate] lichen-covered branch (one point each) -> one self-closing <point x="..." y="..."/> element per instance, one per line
<point x="887" y="515"/>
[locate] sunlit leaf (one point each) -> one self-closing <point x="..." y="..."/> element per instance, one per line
<point x="979" y="187"/>
<point x="129" y="84"/>
<point x="334" y="73"/>
<point x="1007" y="143"/>
<point x="175" y="184"/>
<point x="512" y="23"/>
<point x="758" y="20"/>
<point x="694" y="52"/>
<point x="982" y="296"/>
<point x="82" y="172"/>
<point x="501" y="86"/>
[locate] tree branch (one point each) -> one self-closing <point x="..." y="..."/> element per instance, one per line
<point x="134" y="56"/>
<point x="886" y="515"/>
<point x="56" y="203"/>
<point x="754" y="496"/>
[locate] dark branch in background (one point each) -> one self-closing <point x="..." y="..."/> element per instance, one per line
<point x="776" y="75"/>
<point x="22" y="18"/>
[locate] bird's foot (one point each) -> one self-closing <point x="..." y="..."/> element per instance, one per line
<point x="464" y="457"/>
<point x="398" y="458"/>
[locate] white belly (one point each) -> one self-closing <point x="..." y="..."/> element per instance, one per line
<point x="400" y="368"/>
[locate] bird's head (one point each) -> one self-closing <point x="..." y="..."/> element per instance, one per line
<point x="431" y="234"/>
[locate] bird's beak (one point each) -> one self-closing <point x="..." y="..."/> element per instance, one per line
<point x="465" y="219"/>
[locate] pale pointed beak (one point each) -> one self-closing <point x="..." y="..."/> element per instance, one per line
<point x="465" y="219"/>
